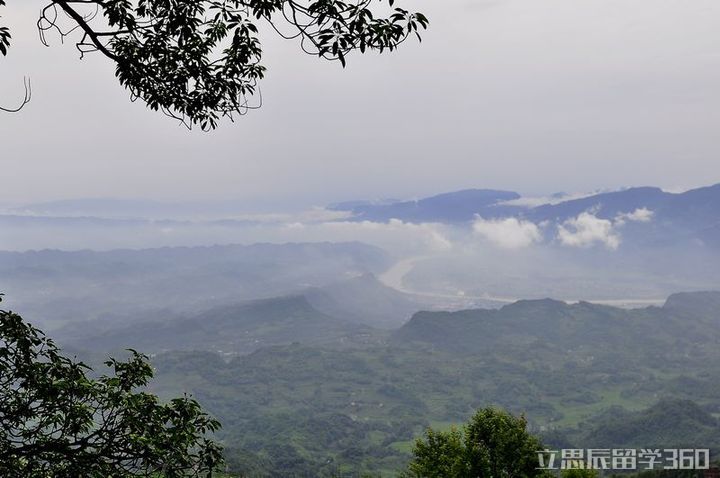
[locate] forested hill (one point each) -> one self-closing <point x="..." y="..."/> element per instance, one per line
<point x="696" y="304"/>
<point x="579" y="372"/>
<point x="685" y="321"/>
<point x="353" y="312"/>
<point x="234" y="329"/>
<point x="681" y="422"/>
<point x="365" y="300"/>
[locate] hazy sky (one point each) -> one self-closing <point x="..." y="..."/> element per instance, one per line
<point x="529" y="95"/>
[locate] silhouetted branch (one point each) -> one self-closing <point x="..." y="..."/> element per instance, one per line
<point x="26" y="99"/>
<point x="200" y="60"/>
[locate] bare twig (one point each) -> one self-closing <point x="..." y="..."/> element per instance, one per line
<point x="26" y="99"/>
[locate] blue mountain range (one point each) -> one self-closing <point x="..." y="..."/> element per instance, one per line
<point x="691" y="216"/>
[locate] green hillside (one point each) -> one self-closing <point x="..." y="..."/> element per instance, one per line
<point x="581" y="374"/>
<point x="236" y="329"/>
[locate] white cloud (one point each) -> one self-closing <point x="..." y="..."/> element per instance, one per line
<point x="587" y="230"/>
<point x="393" y="235"/>
<point x="510" y="233"/>
<point x="642" y="214"/>
<point x="535" y="201"/>
<point x="676" y="189"/>
<point x="313" y="215"/>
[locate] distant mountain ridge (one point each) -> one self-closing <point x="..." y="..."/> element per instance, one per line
<point x="698" y="206"/>
<point x="350" y="311"/>
<point x="455" y="206"/>
<point x="691" y="217"/>
<point x="464" y="205"/>
<point x="684" y="320"/>
<point x="689" y="208"/>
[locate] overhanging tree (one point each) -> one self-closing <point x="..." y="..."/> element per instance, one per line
<point x="199" y="60"/>
<point x="56" y="421"/>
<point x="4" y="44"/>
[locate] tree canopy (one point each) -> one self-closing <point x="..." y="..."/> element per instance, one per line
<point x="58" y="421"/>
<point x="493" y="443"/>
<point x="200" y="60"/>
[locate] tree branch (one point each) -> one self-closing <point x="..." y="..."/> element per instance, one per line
<point x="86" y="28"/>
<point x="26" y="99"/>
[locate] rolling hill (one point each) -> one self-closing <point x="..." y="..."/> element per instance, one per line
<point x="233" y="329"/>
<point x="56" y="287"/>
<point x="588" y="375"/>
<point x="365" y="300"/>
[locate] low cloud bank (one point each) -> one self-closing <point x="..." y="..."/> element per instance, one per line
<point x="642" y="214"/>
<point x="509" y="233"/>
<point x="587" y="230"/>
<point x="397" y="236"/>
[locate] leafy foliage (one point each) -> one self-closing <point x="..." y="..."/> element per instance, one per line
<point x="580" y="473"/>
<point x="199" y="60"/>
<point x="57" y="421"/>
<point x="4" y="35"/>
<point x="493" y="443"/>
<point x="668" y="473"/>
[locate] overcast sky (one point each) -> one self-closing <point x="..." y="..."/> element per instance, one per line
<point x="529" y="95"/>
